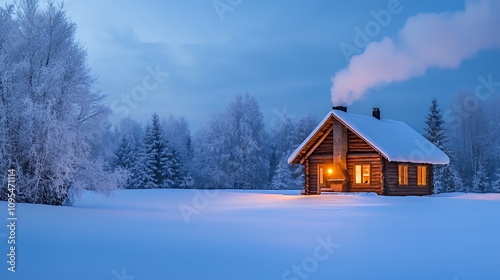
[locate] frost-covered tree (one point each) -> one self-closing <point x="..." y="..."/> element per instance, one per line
<point x="449" y="179"/>
<point x="495" y="186"/>
<point x="157" y="155"/>
<point x="126" y="156"/>
<point x="446" y="178"/>
<point x="128" y="151"/>
<point x="158" y="164"/>
<point x="230" y="150"/>
<point x="280" y="142"/>
<point x="51" y="115"/>
<point x="434" y="131"/>
<point x="474" y="135"/>
<point x="177" y="133"/>
<point x="287" y="137"/>
<point x="282" y="178"/>
<point x="480" y="181"/>
<point x="304" y="127"/>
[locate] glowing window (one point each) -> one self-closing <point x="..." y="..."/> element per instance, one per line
<point x="422" y="175"/>
<point x="321" y="170"/>
<point x="403" y="174"/>
<point x="362" y="174"/>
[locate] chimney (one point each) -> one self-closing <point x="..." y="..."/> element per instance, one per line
<point x="376" y="113"/>
<point x="340" y="108"/>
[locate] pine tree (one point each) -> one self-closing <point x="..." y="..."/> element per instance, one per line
<point x="282" y="178"/>
<point x="159" y="164"/>
<point x="495" y="186"/>
<point x="157" y="156"/>
<point x="126" y="156"/>
<point x="434" y="132"/>
<point x="444" y="176"/>
<point x="139" y="176"/>
<point x="180" y="177"/>
<point x="449" y="179"/>
<point x="281" y="141"/>
<point x="480" y="181"/>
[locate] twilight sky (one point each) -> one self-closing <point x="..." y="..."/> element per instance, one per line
<point x="285" y="54"/>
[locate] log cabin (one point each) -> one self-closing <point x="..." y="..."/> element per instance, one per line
<point x="356" y="153"/>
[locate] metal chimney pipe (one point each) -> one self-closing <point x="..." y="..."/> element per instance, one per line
<point x="376" y="113"/>
<point x="340" y="108"/>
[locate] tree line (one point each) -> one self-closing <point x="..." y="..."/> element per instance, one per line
<point x="233" y="150"/>
<point x="470" y="135"/>
<point x="56" y="134"/>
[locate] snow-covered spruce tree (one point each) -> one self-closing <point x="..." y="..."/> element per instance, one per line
<point x="287" y="137"/>
<point x="230" y="150"/>
<point x="181" y="178"/>
<point x="159" y="163"/>
<point x="157" y="173"/>
<point x="449" y="179"/>
<point x="282" y="178"/>
<point x="280" y="143"/>
<point x="177" y="134"/>
<point x="446" y="178"/>
<point x="480" y="181"/>
<point x="304" y="127"/>
<point x="52" y="114"/>
<point x="129" y="150"/>
<point x="434" y="131"/>
<point x="495" y="186"/>
<point x="126" y="157"/>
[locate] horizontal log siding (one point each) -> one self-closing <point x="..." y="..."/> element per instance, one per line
<point x="314" y="161"/>
<point x="392" y="186"/>
<point x="375" y="172"/>
<point x="357" y="145"/>
<point x="325" y="148"/>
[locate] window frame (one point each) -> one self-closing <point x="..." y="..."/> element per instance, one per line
<point x="403" y="170"/>
<point x="321" y="173"/>
<point x="361" y="175"/>
<point x="420" y="182"/>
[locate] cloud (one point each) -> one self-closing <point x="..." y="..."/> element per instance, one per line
<point x="426" y="41"/>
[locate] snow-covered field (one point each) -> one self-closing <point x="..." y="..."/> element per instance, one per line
<point x="186" y="234"/>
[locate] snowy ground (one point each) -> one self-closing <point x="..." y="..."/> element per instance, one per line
<point x="142" y="235"/>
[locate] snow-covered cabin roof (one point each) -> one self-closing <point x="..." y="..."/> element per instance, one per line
<point x="395" y="140"/>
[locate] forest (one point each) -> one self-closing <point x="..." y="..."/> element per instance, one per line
<point x="55" y="129"/>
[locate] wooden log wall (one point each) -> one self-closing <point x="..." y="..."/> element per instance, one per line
<point x="392" y="186"/>
<point x="358" y="145"/>
<point x="375" y="162"/>
<point x="326" y="147"/>
<point x="314" y="161"/>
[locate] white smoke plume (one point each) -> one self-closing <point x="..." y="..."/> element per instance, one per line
<point x="426" y="41"/>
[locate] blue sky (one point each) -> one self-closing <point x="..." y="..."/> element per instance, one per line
<point x="285" y="54"/>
